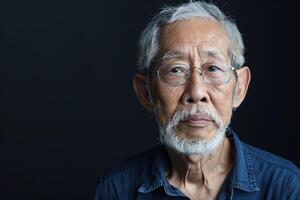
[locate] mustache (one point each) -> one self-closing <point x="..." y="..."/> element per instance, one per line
<point x="185" y="113"/>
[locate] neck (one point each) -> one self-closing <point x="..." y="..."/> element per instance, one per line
<point x="199" y="171"/>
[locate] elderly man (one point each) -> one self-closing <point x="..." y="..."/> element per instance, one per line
<point x="192" y="78"/>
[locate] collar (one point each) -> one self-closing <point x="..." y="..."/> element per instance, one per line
<point x="157" y="174"/>
<point x="243" y="178"/>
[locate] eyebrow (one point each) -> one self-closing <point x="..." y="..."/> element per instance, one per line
<point x="214" y="54"/>
<point x="171" y="55"/>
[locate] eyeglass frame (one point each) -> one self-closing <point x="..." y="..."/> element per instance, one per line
<point x="186" y="80"/>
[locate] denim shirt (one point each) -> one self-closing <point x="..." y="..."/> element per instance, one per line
<point x="256" y="175"/>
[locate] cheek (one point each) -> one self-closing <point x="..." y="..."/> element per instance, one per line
<point x="167" y="101"/>
<point x="222" y="102"/>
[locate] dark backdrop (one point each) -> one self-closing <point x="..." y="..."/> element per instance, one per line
<point x="68" y="110"/>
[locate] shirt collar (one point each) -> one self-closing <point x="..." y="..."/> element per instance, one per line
<point x="157" y="175"/>
<point x="244" y="177"/>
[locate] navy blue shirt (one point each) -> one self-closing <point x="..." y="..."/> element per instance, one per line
<point x="256" y="175"/>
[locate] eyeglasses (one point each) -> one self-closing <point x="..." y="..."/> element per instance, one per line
<point x="176" y="75"/>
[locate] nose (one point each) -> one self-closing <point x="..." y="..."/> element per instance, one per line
<point x="195" y="89"/>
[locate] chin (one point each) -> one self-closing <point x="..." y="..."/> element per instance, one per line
<point x="199" y="143"/>
<point x="196" y="134"/>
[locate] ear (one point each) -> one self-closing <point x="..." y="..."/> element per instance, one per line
<point x="244" y="77"/>
<point x="141" y="90"/>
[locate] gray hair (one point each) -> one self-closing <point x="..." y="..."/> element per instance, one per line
<point x="148" y="46"/>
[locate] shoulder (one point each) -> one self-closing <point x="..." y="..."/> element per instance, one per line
<point x="133" y="164"/>
<point x="273" y="173"/>
<point x="263" y="157"/>
<point x="126" y="176"/>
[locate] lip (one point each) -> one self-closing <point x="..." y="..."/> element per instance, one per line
<point x="200" y="121"/>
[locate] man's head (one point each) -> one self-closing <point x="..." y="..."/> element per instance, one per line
<point x="191" y="60"/>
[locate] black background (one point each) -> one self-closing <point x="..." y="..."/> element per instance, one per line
<point x="68" y="110"/>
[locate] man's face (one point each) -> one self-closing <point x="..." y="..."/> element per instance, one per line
<point x="194" y="43"/>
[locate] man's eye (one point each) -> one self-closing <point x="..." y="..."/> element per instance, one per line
<point x="213" y="68"/>
<point x="175" y="70"/>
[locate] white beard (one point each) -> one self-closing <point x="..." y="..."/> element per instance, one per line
<point x="198" y="146"/>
